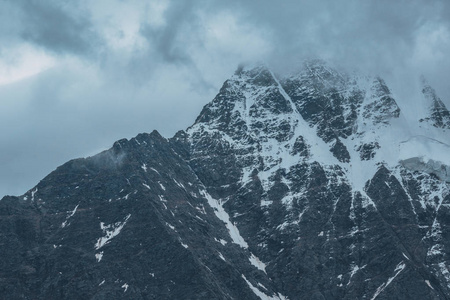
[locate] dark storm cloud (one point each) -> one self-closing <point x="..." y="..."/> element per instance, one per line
<point x="368" y="33"/>
<point x="371" y="34"/>
<point x="166" y="42"/>
<point x="164" y="39"/>
<point x="61" y="27"/>
<point x="390" y="38"/>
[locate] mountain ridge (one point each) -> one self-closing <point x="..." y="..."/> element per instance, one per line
<point x="283" y="188"/>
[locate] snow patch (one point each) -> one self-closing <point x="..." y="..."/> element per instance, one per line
<point x="99" y="256"/>
<point x="171" y="227"/>
<point x="179" y="184"/>
<point x="266" y="203"/>
<point x="399" y="268"/>
<point x="65" y="223"/>
<point x="153" y="169"/>
<point x="110" y="231"/>
<point x="355" y="269"/>
<point x="260" y="294"/>
<point x="436" y="250"/>
<point x="223" y="215"/>
<point x="257" y="263"/>
<point x="222" y="241"/>
<point x="221" y="256"/>
<point x="428" y="283"/>
<point x="33" y="193"/>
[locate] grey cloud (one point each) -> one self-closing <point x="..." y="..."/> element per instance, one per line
<point x="61" y="27"/>
<point x="378" y="37"/>
<point x="164" y="39"/>
<point x="166" y="44"/>
<point x="371" y="35"/>
<point x="350" y="32"/>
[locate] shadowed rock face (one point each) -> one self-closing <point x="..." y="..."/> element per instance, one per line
<point x="278" y="191"/>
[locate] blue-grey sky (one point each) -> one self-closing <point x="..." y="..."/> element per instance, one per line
<point x="77" y="75"/>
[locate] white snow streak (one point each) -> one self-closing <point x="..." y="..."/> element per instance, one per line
<point x="110" y="231"/>
<point x="232" y="229"/>
<point x="400" y="267"/>
<point x="99" y="256"/>
<point x="260" y="294"/>
<point x="355" y="269"/>
<point x="65" y="223"/>
<point x="153" y="169"/>
<point x="223" y="215"/>
<point x="257" y="263"/>
<point x="33" y="193"/>
<point x="222" y="241"/>
<point x="171" y="227"/>
<point x="221" y="256"/>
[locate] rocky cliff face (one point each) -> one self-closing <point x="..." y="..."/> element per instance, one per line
<point x="285" y="187"/>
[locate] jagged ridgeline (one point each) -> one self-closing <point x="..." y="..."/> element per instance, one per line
<point x="314" y="185"/>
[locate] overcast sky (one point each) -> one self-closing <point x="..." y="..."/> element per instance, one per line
<point x="77" y="75"/>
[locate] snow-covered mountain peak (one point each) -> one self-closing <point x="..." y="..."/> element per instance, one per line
<point x="296" y="147"/>
<point x="316" y="114"/>
<point x="312" y="185"/>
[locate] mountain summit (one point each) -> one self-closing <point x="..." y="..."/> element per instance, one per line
<point x="314" y="185"/>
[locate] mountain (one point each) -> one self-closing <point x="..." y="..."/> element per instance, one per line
<point x="311" y="185"/>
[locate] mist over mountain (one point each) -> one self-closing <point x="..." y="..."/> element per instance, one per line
<point x="315" y="183"/>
